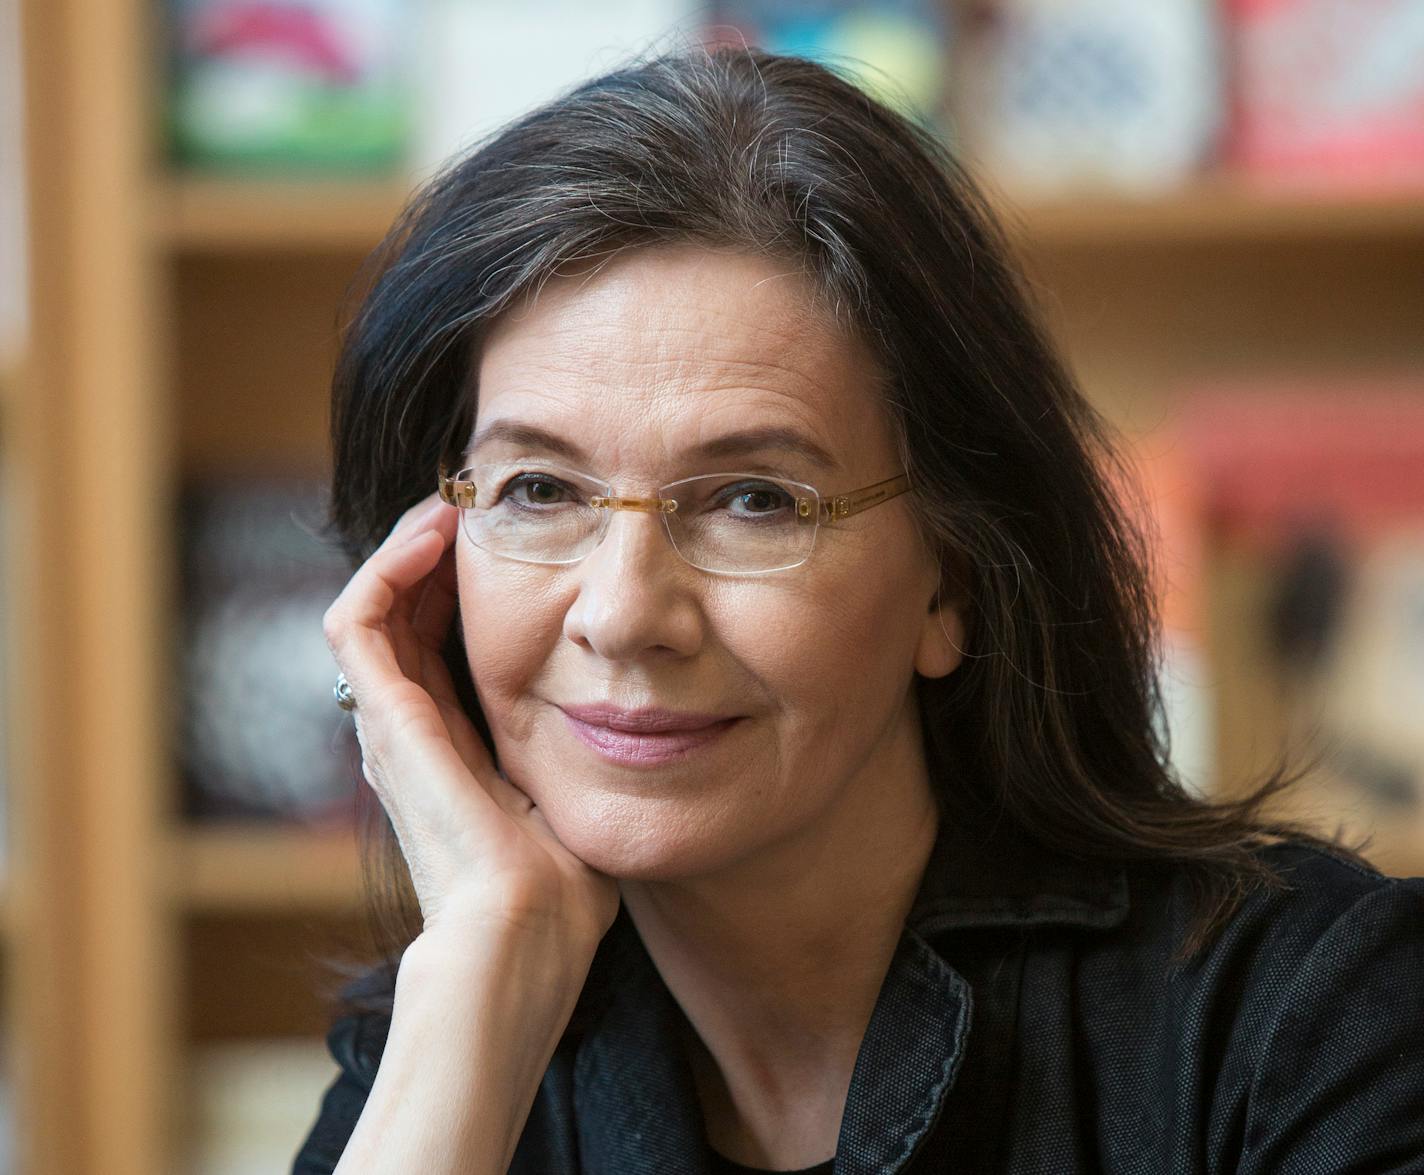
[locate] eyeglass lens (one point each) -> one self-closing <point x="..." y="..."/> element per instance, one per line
<point x="724" y="522"/>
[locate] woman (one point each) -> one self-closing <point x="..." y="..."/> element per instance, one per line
<point x="764" y="703"/>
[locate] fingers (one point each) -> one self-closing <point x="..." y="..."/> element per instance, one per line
<point x="355" y="623"/>
<point x="399" y="603"/>
<point x="429" y="515"/>
<point x="397" y="565"/>
<point x="429" y="608"/>
<point x="420" y="618"/>
<point x="407" y="588"/>
<point x="406" y="523"/>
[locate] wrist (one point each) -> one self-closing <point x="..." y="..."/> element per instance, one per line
<point x="537" y="922"/>
<point x="479" y="1010"/>
<point x="455" y="952"/>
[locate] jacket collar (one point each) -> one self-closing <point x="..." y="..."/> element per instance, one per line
<point x="637" y="1109"/>
<point x="997" y="878"/>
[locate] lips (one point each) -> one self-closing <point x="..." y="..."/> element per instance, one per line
<point x="648" y="739"/>
<point x="650" y="720"/>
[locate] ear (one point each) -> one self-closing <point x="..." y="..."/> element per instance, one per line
<point x="941" y="645"/>
<point x="944" y="581"/>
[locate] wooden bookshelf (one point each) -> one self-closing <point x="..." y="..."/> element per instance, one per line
<point x="186" y="324"/>
<point x="257" y="868"/>
<point x="215" y="215"/>
<point x="1220" y="209"/>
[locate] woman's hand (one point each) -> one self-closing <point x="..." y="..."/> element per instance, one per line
<point x="478" y="849"/>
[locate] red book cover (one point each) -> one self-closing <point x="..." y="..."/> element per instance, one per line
<point x="1273" y="458"/>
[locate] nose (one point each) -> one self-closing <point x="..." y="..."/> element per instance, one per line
<point x="636" y="594"/>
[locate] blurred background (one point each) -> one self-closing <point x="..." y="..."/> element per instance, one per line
<point x="1221" y="206"/>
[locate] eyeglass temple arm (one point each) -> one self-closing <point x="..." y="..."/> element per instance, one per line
<point x="844" y="505"/>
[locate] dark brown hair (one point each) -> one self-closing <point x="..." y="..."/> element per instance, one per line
<point x="1054" y="720"/>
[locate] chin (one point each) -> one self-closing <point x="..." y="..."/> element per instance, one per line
<point x="635" y="838"/>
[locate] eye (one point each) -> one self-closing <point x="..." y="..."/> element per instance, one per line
<point x="757" y="498"/>
<point x="540" y="488"/>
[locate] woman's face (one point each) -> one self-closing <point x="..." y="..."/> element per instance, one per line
<point x="637" y="365"/>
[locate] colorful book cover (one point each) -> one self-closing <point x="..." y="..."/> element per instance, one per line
<point x="896" y="50"/>
<point x="288" y="84"/>
<point x="1096" y="93"/>
<point x="1328" y="90"/>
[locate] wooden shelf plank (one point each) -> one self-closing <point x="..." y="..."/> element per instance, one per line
<point x="1220" y="209"/>
<point x="255" y="868"/>
<point x="223" y="215"/>
<point x="208" y="215"/>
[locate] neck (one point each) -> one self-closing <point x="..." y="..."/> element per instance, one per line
<point x="778" y="960"/>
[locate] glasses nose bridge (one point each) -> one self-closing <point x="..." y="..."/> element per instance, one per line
<point x="654" y="505"/>
<point x="609" y="504"/>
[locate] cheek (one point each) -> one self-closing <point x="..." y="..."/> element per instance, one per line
<point x="837" y="656"/>
<point x="508" y="628"/>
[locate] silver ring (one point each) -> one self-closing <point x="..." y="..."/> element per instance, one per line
<point x="344" y="697"/>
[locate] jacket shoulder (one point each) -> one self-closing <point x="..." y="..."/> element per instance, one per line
<point x="1330" y="871"/>
<point x="1336" y="1060"/>
<point x="1288" y="1042"/>
<point x="1325" y="892"/>
<point x="1273" y="925"/>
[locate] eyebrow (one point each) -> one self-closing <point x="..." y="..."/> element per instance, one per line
<point x="734" y="444"/>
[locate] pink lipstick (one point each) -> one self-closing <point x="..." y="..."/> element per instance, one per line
<point x="644" y="738"/>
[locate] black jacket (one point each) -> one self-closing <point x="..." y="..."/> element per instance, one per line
<point x="1032" y="1021"/>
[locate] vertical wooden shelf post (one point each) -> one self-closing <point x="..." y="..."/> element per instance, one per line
<point x="100" y="476"/>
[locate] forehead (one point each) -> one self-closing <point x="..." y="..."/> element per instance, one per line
<point x="680" y="339"/>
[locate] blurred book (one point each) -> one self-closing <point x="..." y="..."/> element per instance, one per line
<point x="1323" y="487"/>
<point x="252" y="1103"/>
<point x="1094" y="94"/>
<point x="1329" y="90"/>
<point x="1281" y="457"/>
<point x="294" y="85"/>
<point x="261" y="733"/>
<point x="482" y="64"/>
<point x="895" y="50"/>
